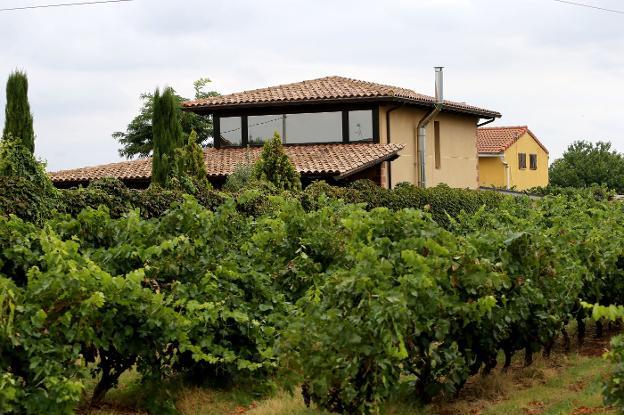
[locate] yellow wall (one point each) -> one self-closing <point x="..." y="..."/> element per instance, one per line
<point x="526" y="178"/>
<point x="492" y="170"/>
<point x="458" y="151"/>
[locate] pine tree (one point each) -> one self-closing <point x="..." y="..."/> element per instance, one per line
<point x="167" y="136"/>
<point x="275" y="166"/>
<point x="18" y="121"/>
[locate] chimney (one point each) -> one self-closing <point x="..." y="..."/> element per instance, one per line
<point x="439" y="84"/>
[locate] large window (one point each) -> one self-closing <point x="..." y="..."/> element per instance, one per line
<point x="231" y="133"/>
<point x="361" y="125"/>
<point x="299" y="128"/>
<point x="313" y="127"/>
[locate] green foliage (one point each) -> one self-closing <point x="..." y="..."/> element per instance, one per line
<point x="585" y="164"/>
<point x="21" y="197"/>
<point x="119" y="200"/>
<point x="444" y="203"/>
<point x="190" y="169"/>
<point x="243" y="176"/>
<point x="18" y="121"/>
<point x="167" y="136"/>
<point x="137" y="140"/>
<point x="353" y="291"/>
<point x="275" y="166"/>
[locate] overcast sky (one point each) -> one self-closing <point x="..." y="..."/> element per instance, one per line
<point x="557" y="68"/>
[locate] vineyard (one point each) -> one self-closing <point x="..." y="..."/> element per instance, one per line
<point x="349" y="292"/>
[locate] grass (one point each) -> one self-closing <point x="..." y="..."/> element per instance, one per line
<point x="563" y="384"/>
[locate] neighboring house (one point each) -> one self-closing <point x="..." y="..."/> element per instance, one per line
<point x="511" y="157"/>
<point x="334" y="128"/>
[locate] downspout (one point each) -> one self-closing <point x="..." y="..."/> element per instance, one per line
<point x="388" y="142"/>
<point x="422" y="126"/>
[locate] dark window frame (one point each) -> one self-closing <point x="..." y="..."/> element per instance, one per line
<point x="436" y="144"/>
<point x="522" y="161"/>
<point x="272" y="110"/>
<point x="533" y="161"/>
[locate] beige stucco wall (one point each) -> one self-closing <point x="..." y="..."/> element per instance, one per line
<point x="526" y="178"/>
<point x="458" y="151"/>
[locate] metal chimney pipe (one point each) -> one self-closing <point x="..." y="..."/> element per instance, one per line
<point x="439" y="84"/>
<point x="422" y="127"/>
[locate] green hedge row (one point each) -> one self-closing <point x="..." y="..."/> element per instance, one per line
<point x="443" y="202"/>
<point x="25" y="200"/>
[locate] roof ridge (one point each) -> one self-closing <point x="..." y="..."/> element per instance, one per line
<point x="505" y="127"/>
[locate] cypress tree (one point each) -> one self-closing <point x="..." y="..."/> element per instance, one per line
<point x="18" y="121"/>
<point x="167" y="136"/>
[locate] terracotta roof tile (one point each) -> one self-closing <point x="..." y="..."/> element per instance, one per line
<point x="494" y="140"/>
<point x="331" y="88"/>
<point x="339" y="160"/>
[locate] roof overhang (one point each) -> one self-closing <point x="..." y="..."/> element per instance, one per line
<point x="376" y="100"/>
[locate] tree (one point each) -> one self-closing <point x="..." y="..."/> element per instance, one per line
<point x="137" y="139"/>
<point x="585" y="164"/>
<point x="275" y="167"/>
<point x="167" y="136"/>
<point x="17" y="161"/>
<point x="18" y="121"/>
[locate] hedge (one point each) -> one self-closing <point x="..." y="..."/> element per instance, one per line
<point x="443" y="202"/>
<point x="25" y="200"/>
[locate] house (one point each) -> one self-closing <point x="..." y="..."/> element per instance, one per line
<point x="334" y="128"/>
<point x="511" y="157"/>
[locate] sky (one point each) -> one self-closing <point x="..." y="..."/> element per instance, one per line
<point x="555" y="67"/>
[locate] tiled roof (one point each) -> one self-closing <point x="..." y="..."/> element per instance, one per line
<point x="494" y="140"/>
<point x="331" y="88"/>
<point x="338" y="160"/>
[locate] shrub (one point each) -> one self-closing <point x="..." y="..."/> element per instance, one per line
<point x="242" y="176"/>
<point x="275" y="167"/>
<point x="190" y="169"/>
<point x="22" y="198"/>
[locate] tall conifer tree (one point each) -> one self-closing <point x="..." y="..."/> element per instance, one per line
<point x="167" y="136"/>
<point x="18" y="121"/>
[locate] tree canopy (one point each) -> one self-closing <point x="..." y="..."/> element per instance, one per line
<point x="584" y="164"/>
<point x="18" y="121"/>
<point x="137" y="139"/>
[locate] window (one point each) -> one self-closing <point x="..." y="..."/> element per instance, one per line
<point x="436" y="133"/>
<point x="522" y="160"/>
<point x="297" y="128"/>
<point x="313" y="127"/>
<point x="533" y="161"/>
<point x="261" y="128"/>
<point x="361" y="125"/>
<point x="230" y="131"/>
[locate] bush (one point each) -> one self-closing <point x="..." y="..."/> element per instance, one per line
<point x="119" y="200"/>
<point x="275" y="167"/>
<point x="242" y="176"/>
<point x="444" y="203"/>
<point x="21" y="197"/>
